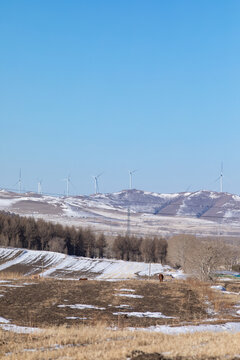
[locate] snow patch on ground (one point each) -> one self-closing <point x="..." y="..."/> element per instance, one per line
<point x="218" y="287"/>
<point x="147" y="314"/>
<point x="5" y="325"/>
<point x="11" y="285"/>
<point x="75" y="318"/>
<point x="7" y="202"/>
<point x="3" y="320"/>
<point x="19" y="329"/>
<point x="82" y="306"/>
<point x="232" y="327"/>
<point x="130" y="290"/>
<point x="130" y="295"/>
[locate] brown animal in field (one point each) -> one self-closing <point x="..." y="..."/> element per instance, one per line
<point x="36" y="276"/>
<point x="160" y="276"/>
<point x="83" y="279"/>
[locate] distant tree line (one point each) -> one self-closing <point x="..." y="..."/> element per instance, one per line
<point x="26" y="232"/>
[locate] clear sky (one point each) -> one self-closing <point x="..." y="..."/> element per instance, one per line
<point x="111" y="86"/>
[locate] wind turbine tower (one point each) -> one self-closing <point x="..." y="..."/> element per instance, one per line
<point x="20" y="181"/>
<point x="221" y="178"/>
<point x="96" y="186"/>
<point x="67" y="181"/>
<point x="40" y="187"/>
<point x="131" y="172"/>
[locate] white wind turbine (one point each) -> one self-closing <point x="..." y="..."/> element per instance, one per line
<point x="67" y="182"/>
<point x="220" y="178"/>
<point x="39" y="187"/>
<point x="19" y="182"/>
<point x="96" y="186"/>
<point x="131" y="172"/>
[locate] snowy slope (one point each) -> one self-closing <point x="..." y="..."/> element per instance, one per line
<point x="51" y="264"/>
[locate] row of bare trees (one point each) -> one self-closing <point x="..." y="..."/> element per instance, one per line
<point x="140" y="249"/>
<point x="201" y="257"/>
<point x="34" y="234"/>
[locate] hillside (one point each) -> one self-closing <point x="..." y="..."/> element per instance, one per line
<point x="197" y="212"/>
<point x="53" y="264"/>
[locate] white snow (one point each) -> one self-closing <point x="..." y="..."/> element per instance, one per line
<point x="147" y="314"/>
<point x="236" y="197"/>
<point x="11" y="285"/>
<point x="230" y="327"/>
<point x="49" y="258"/>
<point x="5" y="325"/>
<point x="214" y="195"/>
<point x="3" y="320"/>
<point x="218" y="287"/>
<point x="75" y="318"/>
<point x="82" y="306"/>
<point x="130" y="295"/>
<point x="130" y="290"/>
<point x="19" y="329"/>
<point x="7" y="202"/>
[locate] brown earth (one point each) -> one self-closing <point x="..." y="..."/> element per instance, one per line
<point x="37" y="302"/>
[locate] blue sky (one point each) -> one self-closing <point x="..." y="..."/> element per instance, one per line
<point x="108" y="86"/>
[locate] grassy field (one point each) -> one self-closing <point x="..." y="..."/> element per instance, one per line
<point x="90" y="319"/>
<point x="96" y="342"/>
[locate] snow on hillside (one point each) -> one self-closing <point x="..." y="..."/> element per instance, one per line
<point x="151" y="213"/>
<point x="200" y="204"/>
<point x="51" y="264"/>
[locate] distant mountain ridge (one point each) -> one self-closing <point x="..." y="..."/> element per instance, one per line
<point x="199" y="204"/>
<point x="202" y="204"/>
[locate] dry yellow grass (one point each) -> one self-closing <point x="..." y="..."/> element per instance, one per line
<point x="8" y="275"/>
<point x="91" y="343"/>
<point x="221" y="302"/>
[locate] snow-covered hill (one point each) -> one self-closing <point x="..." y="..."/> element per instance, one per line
<point x="150" y="212"/>
<point x="200" y="204"/>
<point x="52" y="264"/>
